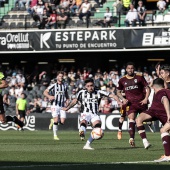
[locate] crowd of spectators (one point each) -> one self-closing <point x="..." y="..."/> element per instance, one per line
<point x="57" y="13"/>
<point x="34" y="84"/>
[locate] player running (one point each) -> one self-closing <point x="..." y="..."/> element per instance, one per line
<point x="89" y="99"/>
<point x="3" y="118"/>
<point x="133" y="85"/>
<point x="159" y="110"/>
<point x="58" y="95"/>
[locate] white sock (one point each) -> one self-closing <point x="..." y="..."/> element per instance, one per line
<point x="55" y="129"/>
<point x="144" y="140"/>
<point x="83" y="129"/>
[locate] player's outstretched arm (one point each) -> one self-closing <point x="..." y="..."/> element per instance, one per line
<point x="120" y="96"/>
<point x="3" y="84"/>
<point x="73" y="102"/>
<point x="115" y="97"/>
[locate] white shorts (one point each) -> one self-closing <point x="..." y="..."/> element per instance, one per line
<point x="57" y="111"/>
<point x="89" y="117"/>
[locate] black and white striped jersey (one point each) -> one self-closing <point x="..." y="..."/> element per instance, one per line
<point x="90" y="101"/>
<point x="59" y="91"/>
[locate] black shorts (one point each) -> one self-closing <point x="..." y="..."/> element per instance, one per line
<point x="1" y="105"/>
<point x="21" y="113"/>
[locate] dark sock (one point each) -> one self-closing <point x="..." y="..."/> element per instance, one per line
<point x="166" y="144"/>
<point x="141" y="131"/>
<point x="132" y="129"/>
<point x="18" y="122"/>
<point x="120" y="126"/>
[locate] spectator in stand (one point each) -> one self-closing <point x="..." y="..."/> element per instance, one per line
<point x="35" y="106"/>
<point x="44" y="105"/>
<point x="161" y="4"/>
<point x="37" y="14"/>
<point x="107" y="19"/>
<point x="20" y="79"/>
<point x="13" y="81"/>
<point x="12" y="91"/>
<point x="78" y="74"/>
<point x="126" y="6"/>
<point x="52" y="20"/>
<point x="131" y="16"/>
<point x="41" y="3"/>
<point x="118" y="7"/>
<point x="80" y="83"/>
<point x="62" y="19"/>
<point x="18" y="91"/>
<point x="72" y="75"/>
<point x="75" y="7"/>
<point x="147" y="77"/>
<point x="8" y="71"/>
<point x="167" y="4"/>
<point x="44" y="21"/>
<point x="141" y="13"/>
<point x="6" y="100"/>
<point x="44" y="79"/>
<point x="85" y="11"/>
<point x="107" y="106"/>
<point x="105" y="78"/>
<point x="115" y="79"/>
<point x="64" y="4"/>
<point x="85" y="74"/>
<point x="48" y="8"/>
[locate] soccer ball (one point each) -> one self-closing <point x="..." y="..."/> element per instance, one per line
<point x="97" y="133"/>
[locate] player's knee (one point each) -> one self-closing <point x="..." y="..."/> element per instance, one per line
<point x="162" y="130"/>
<point x="83" y="124"/>
<point x="97" y="125"/>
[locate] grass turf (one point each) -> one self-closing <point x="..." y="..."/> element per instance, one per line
<point x="38" y="151"/>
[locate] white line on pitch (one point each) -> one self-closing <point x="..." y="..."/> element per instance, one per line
<point x="85" y="164"/>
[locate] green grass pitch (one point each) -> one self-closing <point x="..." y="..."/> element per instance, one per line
<point x="38" y="151"/>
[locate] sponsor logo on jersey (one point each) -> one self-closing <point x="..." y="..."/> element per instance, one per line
<point x="90" y="100"/>
<point x="131" y="87"/>
<point x="59" y="93"/>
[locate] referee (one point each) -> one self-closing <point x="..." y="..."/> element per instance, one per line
<point x="21" y="107"/>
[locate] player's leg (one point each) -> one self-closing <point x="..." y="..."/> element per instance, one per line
<point x="119" y="133"/>
<point x="5" y="119"/>
<point x="121" y="120"/>
<point x="55" y="115"/>
<point x="21" y="118"/>
<point x="96" y="123"/>
<point x="55" y="127"/>
<point x="166" y="143"/>
<point x="51" y="123"/>
<point x="132" y="124"/>
<point x="83" y="125"/>
<point x="141" y="129"/>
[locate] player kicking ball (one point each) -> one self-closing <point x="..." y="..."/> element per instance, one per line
<point x="89" y="99"/>
<point x="159" y="110"/>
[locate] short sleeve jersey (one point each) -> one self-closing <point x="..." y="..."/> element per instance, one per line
<point x="133" y="87"/>
<point x="59" y="92"/>
<point x="157" y="104"/>
<point x="22" y="103"/>
<point x="90" y="101"/>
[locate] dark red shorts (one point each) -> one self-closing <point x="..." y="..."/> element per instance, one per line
<point x="136" y="108"/>
<point x="157" y="115"/>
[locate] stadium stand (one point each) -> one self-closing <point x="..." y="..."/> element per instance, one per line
<point x="9" y="13"/>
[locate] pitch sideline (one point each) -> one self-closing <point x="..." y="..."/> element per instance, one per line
<point x="83" y="164"/>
